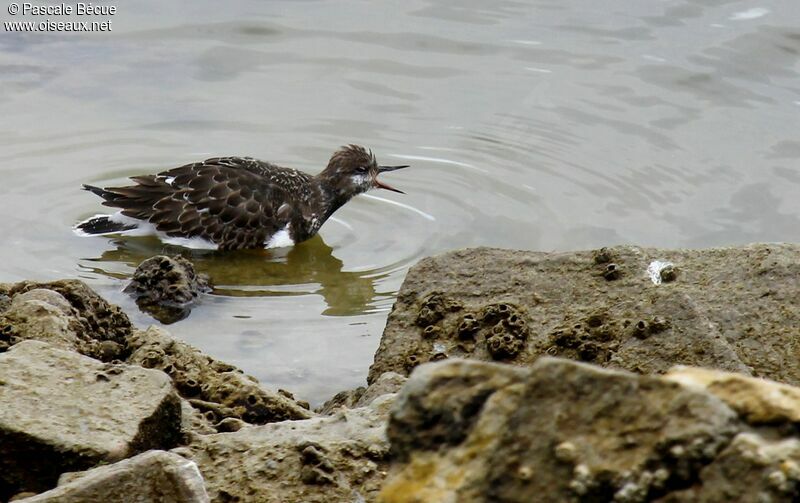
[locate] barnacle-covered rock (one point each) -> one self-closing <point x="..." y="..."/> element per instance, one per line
<point x="504" y="345"/>
<point x="468" y="327"/>
<point x="166" y="287"/>
<point x="65" y="313"/>
<point x="217" y="388"/>
<point x="434" y="307"/>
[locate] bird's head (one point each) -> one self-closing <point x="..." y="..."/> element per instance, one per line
<point x="353" y="170"/>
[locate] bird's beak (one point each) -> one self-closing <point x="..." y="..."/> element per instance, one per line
<point x="381" y="185"/>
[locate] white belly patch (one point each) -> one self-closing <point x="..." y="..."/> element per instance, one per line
<point x="280" y="239"/>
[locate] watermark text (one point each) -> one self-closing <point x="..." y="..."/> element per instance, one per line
<point x="61" y="17"/>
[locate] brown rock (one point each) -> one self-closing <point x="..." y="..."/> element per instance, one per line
<point x="388" y="383"/>
<point x="560" y="431"/>
<point x="751" y="468"/>
<point x="42" y="315"/>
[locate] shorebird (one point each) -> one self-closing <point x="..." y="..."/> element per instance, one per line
<point x="231" y="203"/>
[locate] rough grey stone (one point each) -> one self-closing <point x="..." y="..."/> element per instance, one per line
<point x="728" y="308"/>
<point x="60" y="411"/>
<point x="332" y="458"/>
<point x="758" y="401"/>
<point x="440" y="404"/>
<point x="154" y="476"/>
<point x="343" y="399"/>
<point x="43" y="315"/>
<point x="387" y="383"/>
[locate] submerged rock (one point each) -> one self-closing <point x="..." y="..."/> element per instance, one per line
<point x="153" y="476"/>
<point x="728" y="309"/>
<point x="60" y="411"/>
<point x="166" y="287"/>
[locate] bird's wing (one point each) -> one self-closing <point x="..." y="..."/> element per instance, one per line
<point x="225" y="200"/>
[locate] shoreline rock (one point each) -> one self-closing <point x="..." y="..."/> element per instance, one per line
<point x="626" y="423"/>
<point x="61" y="344"/>
<point x="152" y="476"/>
<point x="66" y="313"/>
<point x="727" y="308"/>
<point x="62" y="411"/>
<point x="561" y="430"/>
<point x="215" y="388"/>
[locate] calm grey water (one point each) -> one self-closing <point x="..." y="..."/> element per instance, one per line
<point x="545" y="125"/>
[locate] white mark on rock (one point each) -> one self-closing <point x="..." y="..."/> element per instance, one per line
<point x="655" y="268"/>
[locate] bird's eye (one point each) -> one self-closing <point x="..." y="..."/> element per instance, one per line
<point x="362" y="169"/>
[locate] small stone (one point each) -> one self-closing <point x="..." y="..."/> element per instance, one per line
<point x="566" y="452"/>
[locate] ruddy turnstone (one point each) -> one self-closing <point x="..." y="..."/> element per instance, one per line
<point x="230" y="203"/>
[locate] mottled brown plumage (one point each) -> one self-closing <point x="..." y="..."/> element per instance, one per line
<point x="238" y="202"/>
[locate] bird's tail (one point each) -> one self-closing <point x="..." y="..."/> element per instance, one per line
<point x="102" y="224"/>
<point x="96" y="190"/>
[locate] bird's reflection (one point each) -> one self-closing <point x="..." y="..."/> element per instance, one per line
<point x="306" y="268"/>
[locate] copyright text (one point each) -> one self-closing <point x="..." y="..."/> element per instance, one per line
<point x="91" y="17"/>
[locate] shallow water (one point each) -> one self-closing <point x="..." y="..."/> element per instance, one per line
<point x="540" y="125"/>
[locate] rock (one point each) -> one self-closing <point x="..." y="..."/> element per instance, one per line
<point x="166" y="287"/>
<point x="193" y="421"/>
<point x="751" y="468"/>
<point x="440" y="404"/>
<point x="730" y="309"/>
<point x="217" y="389"/>
<point x="42" y="315"/>
<point x="151" y="476"/>
<point x="343" y="399"/>
<point x="388" y="383"/>
<point x="559" y="431"/>
<point x="758" y="401"/>
<point x="332" y="458"/>
<point x="60" y="411"/>
<point x="21" y="496"/>
<point x="65" y="313"/>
